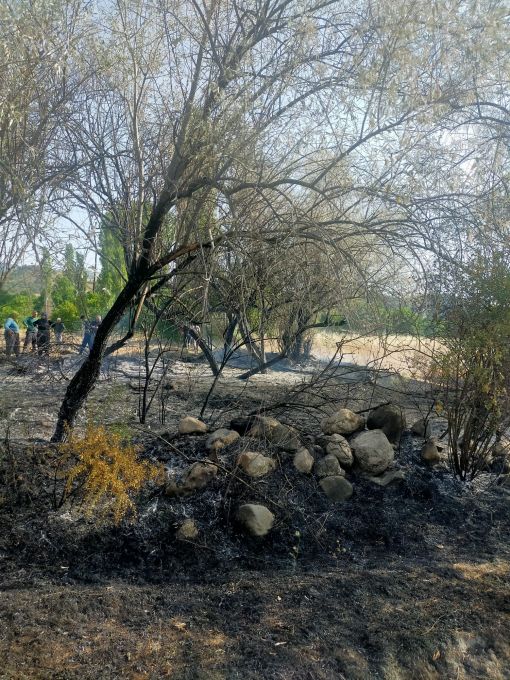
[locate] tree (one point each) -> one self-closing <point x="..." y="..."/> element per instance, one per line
<point x="266" y="102"/>
<point x="472" y="366"/>
<point x="37" y="85"/>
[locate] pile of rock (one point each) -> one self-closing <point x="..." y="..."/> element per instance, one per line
<point x="343" y="446"/>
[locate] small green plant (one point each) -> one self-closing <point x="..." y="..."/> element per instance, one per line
<point x="103" y="472"/>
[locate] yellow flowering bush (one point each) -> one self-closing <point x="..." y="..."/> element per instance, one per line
<point x="103" y="471"/>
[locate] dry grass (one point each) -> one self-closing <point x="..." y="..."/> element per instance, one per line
<point x="404" y="354"/>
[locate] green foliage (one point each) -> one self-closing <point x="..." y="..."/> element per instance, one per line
<point x="96" y="303"/>
<point x="69" y="314"/>
<point x="63" y="291"/>
<point x="113" y="267"/>
<point x="21" y="304"/>
<point x="47" y="275"/>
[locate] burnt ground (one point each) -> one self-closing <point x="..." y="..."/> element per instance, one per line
<point x="407" y="581"/>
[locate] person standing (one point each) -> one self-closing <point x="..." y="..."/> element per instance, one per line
<point x="31" y="336"/>
<point x="87" y="335"/>
<point x="11" y="334"/>
<point x="58" y="329"/>
<point x="43" y="334"/>
<point x="93" y="328"/>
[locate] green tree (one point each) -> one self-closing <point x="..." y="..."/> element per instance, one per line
<point x="113" y="273"/>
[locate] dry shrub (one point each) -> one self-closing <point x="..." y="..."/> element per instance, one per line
<point x="103" y="472"/>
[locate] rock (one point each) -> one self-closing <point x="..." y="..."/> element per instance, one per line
<point x="303" y="461"/>
<point x="389" y="419"/>
<point x="422" y="428"/>
<point x="389" y="477"/>
<point x="256" y="518"/>
<point x="190" y="425"/>
<point x="275" y="433"/>
<point x="199" y="475"/>
<point x="372" y="451"/>
<point x="336" y="488"/>
<point x="430" y="453"/>
<point x="343" y="421"/>
<point x="500" y="457"/>
<point x="338" y="446"/>
<point x="172" y="489"/>
<point x="242" y="425"/>
<point x="328" y="467"/>
<point x="501" y="448"/>
<point x="255" y="464"/>
<point x="220" y="439"/>
<point x="504" y="481"/>
<point x="187" y="531"/>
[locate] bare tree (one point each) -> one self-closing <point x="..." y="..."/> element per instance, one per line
<point x="38" y="47"/>
<point x="263" y="101"/>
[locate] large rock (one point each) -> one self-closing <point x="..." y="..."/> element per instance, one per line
<point x="343" y="421"/>
<point x="328" y="467"/>
<point x="303" y="461"/>
<point x="430" y="453"/>
<point x="190" y="425"/>
<point x="257" y="519"/>
<point x="199" y="475"/>
<point x="220" y="439"/>
<point x="255" y="464"/>
<point x="372" y="451"/>
<point x="275" y="433"/>
<point x="389" y="419"/>
<point x="338" y="446"/>
<point x="337" y="489"/>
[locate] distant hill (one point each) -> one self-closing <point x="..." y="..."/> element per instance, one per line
<point x="24" y="279"/>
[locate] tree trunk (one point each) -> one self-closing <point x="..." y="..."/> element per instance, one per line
<point x="85" y="378"/>
<point x="260" y="368"/>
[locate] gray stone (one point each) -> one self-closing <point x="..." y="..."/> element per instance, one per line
<point x="220" y="439"/>
<point x="338" y="446"/>
<point x="372" y="451"/>
<point x="255" y="464"/>
<point x="190" y="425"/>
<point x="337" y="489"/>
<point x="328" y="467"/>
<point x="303" y="461"/>
<point x="187" y="531"/>
<point x="430" y="453"/>
<point x="199" y="475"/>
<point x="275" y="433"/>
<point x="422" y="428"/>
<point x="388" y="418"/>
<point x="389" y="477"/>
<point x="257" y="519"/>
<point x="343" y="421"/>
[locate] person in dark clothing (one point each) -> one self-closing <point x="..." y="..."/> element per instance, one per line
<point x="87" y="334"/>
<point x="43" y="326"/>
<point x="93" y="328"/>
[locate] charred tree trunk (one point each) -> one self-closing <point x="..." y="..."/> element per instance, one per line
<point x="85" y="378"/>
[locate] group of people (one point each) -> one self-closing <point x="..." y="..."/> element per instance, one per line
<point x="38" y="333"/>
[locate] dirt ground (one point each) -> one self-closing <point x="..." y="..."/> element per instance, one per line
<point x="404" y="582"/>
